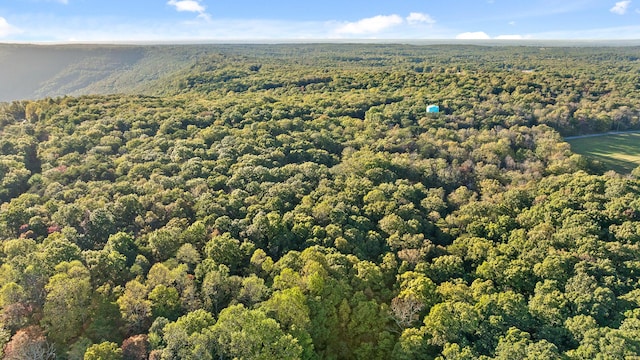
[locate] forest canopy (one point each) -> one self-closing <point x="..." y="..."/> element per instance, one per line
<point x="298" y="202"/>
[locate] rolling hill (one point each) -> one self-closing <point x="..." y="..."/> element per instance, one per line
<point x="39" y="71"/>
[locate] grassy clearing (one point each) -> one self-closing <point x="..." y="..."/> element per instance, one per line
<point x="619" y="152"/>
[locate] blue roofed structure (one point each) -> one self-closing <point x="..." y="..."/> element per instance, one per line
<point x="433" y="109"/>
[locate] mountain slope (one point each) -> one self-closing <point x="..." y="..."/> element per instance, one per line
<point x="37" y="71"/>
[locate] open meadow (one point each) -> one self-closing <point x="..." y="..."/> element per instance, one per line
<point x="620" y="152"/>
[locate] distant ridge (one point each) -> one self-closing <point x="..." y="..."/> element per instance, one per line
<point x="29" y="71"/>
<point x="36" y="71"/>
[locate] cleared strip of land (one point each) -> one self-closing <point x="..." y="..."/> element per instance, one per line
<point x="601" y="134"/>
<point x="619" y="152"/>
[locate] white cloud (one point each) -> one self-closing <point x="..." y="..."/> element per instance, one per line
<point x="509" y="37"/>
<point x="512" y="23"/>
<point x="370" y="25"/>
<point x="416" y="18"/>
<point x="187" y="5"/>
<point x="205" y="17"/>
<point x="477" y="35"/>
<point x="7" y="29"/>
<point x="621" y="7"/>
<point x="52" y="28"/>
<point x="49" y="28"/>
<point x="193" y="6"/>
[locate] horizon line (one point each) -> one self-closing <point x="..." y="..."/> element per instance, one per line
<point x="494" y="42"/>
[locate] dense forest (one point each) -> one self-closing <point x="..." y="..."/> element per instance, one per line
<point x="297" y="202"/>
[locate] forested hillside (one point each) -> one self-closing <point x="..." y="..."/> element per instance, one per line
<point x="35" y="72"/>
<point x="297" y="202"/>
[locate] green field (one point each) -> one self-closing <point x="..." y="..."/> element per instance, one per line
<point x="619" y="152"/>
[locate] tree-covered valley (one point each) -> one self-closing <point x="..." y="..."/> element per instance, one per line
<point x="297" y="202"/>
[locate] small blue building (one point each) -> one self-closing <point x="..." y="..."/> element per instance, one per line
<point x="433" y="109"/>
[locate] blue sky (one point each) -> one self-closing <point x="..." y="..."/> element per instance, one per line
<point x="203" y="20"/>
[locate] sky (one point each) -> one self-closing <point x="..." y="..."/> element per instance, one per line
<point x="220" y="20"/>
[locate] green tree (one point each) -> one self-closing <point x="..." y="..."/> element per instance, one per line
<point x="417" y="296"/>
<point x="586" y="297"/>
<point x="289" y="308"/>
<point x="106" y="266"/>
<point x="100" y="226"/>
<point x="189" y="255"/>
<point x="604" y="343"/>
<point x="56" y="249"/>
<point x="516" y="344"/>
<point x="165" y="242"/>
<point x="124" y="244"/>
<point x="250" y="334"/>
<point x="253" y="290"/>
<point x="452" y="322"/>
<point x="412" y="345"/>
<point x="549" y="305"/>
<point x="135" y="308"/>
<point x="165" y="302"/>
<point x="224" y="249"/>
<point x="189" y="337"/>
<point x="218" y="288"/>
<point x="103" y="351"/>
<point x="66" y="307"/>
